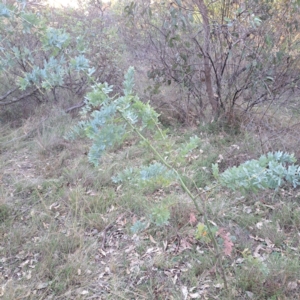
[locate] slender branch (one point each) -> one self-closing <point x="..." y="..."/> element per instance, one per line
<point x="14" y="100"/>
<point x="163" y="161"/>
<point x="7" y="94"/>
<point x="79" y="105"/>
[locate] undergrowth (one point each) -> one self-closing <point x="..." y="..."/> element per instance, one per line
<point x="126" y="228"/>
<point x="116" y="205"/>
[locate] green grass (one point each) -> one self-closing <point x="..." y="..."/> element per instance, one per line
<point x="66" y="228"/>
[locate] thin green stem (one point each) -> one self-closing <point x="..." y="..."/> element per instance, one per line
<point x="216" y="246"/>
<point x="163" y="161"/>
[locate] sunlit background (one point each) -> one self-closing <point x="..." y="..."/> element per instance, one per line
<point x="57" y="3"/>
<point x="72" y="3"/>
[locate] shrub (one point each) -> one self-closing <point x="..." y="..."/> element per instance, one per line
<point x="269" y="171"/>
<point x="218" y="55"/>
<point x="49" y="55"/>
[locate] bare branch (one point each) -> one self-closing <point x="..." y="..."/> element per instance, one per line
<point x="14" y="100"/>
<point x="7" y="94"/>
<point x="79" y="105"/>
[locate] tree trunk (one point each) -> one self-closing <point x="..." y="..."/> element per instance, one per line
<point x="207" y="67"/>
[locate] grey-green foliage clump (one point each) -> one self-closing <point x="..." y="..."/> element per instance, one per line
<point x="40" y="56"/>
<point x="269" y="171"/>
<point x="52" y="43"/>
<point x="155" y="172"/>
<point x="107" y="120"/>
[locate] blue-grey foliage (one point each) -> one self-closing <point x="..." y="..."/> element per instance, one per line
<point x="269" y="171"/>
<point x="54" y="37"/>
<point x="4" y="11"/>
<point x="37" y="54"/>
<point x="80" y="63"/>
<point x="126" y="175"/>
<point x="155" y="172"/>
<point x="138" y="226"/>
<point x="52" y="74"/>
<point x="109" y="119"/>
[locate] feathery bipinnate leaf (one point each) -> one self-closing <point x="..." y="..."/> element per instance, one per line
<point x="108" y="120"/>
<point x="269" y="171"/>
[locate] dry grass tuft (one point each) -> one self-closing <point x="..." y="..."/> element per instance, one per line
<point x="67" y="231"/>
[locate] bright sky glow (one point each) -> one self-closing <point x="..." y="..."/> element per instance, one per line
<point x="65" y="3"/>
<point x="58" y="3"/>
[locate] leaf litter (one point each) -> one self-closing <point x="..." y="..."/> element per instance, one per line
<point x="119" y="260"/>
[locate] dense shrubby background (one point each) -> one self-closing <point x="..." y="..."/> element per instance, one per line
<point x="49" y="54"/>
<point x="218" y="59"/>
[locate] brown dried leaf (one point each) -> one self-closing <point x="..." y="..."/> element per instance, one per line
<point x="184" y="243"/>
<point x="152" y="239"/>
<point x="193" y="219"/>
<point x="228" y="244"/>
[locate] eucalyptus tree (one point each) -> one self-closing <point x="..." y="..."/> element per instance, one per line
<point x="223" y="54"/>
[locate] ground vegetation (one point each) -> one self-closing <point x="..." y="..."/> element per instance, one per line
<point x="149" y="150"/>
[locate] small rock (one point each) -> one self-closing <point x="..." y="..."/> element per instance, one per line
<point x="250" y="295"/>
<point x="95" y="231"/>
<point x="292" y="285"/>
<point x="42" y="285"/>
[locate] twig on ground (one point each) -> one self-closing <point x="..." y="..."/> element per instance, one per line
<point x="104" y="234"/>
